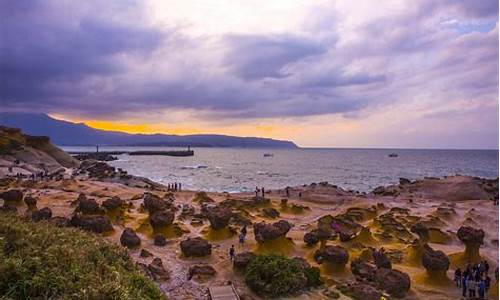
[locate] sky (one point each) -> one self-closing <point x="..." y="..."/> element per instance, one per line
<point x="409" y="74"/>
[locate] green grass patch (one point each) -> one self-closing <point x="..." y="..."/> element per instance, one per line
<point x="41" y="261"/>
<point x="276" y="276"/>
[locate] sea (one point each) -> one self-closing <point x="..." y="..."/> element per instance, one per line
<point x="239" y="170"/>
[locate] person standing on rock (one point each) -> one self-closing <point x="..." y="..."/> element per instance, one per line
<point x="287" y="192"/>
<point x="481" y="289"/>
<point x="464" y="285"/>
<point x="471" y="286"/>
<point x="263" y="192"/>
<point x="231" y="253"/>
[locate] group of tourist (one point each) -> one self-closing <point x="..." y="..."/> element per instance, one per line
<point x="474" y="280"/>
<point x="174" y="187"/>
<point x="261" y="191"/>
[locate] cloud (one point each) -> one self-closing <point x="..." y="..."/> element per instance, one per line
<point x="111" y="59"/>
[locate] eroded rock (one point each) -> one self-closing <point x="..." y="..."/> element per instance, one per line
<point x="129" y="238"/>
<point x="265" y="232"/>
<point x="196" y="247"/>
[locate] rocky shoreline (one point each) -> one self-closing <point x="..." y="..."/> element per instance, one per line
<point x="403" y="241"/>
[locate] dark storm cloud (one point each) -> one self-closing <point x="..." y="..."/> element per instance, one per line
<point x="101" y="59"/>
<point x="44" y="49"/>
<point x="255" y="57"/>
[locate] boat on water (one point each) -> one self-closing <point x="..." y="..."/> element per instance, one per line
<point x="268" y="155"/>
<point x="393" y="155"/>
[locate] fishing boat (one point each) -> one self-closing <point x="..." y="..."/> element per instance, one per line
<point x="268" y="155"/>
<point x="393" y="155"/>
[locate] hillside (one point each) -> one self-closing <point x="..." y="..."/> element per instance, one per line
<point x="78" y="134"/>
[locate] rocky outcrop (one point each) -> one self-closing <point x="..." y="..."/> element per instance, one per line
<point x="196" y="247"/>
<point x="271" y="212"/>
<point x="472" y="238"/>
<point x="421" y="230"/>
<point x="332" y="254"/>
<point x="157" y="270"/>
<point x="41" y="214"/>
<point x="435" y="261"/>
<point x="113" y="203"/>
<point x="241" y="260"/>
<point x="361" y="291"/>
<point x="153" y="203"/>
<point x="129" y="238"/>
<point x="363" y="269"/>
<point x="265" y="232"/>
<point x="219" y="217"/>
<point x="12" y="196"/>
<point x="162" y="218"/>
<point x="160" y="240"/>
<point x="87" y="206"/>
<point x="381" y="259"/>
<point x="394" y="282"/>
<point x="201" y="271"/>
<point x="30" y="202"/>
<point x="92" y="223"/>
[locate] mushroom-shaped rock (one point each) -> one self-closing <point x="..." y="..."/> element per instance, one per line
<point x="157" y="270"/>
<point x="219" y="217"/>
<point x="196" y="247"/>
<point x="112" y="203"/>
<point x="394" y="282"/>
<point x="363" y="269"/>
<point x="87" y="206"/>
<point x="12" y="196"/>
<point x="41" y="214"/>
<point x="265" y="232"/>
<point x="161" y="218"/>
<point x="332" y="254"/>
<point x="472" y="238"/>
<point x="311" y="237"/>
<point x="241" y="260"/>
<point x="421" y="230"/>
<point x="97" y="224"/>
<point x="435" y="261"/>
<point x="153" y="203"/>
<point x="271" y="212"/>
<point x="129" y="238"/>
<point x="30" y="202"/>
<point x="381" y="259"/>
<point x="160" y="240"/>
<point x="201" y="270"/>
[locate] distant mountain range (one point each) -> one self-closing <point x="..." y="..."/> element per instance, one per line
<point x="78" y="134"/>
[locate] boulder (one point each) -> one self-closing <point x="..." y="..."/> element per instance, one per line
<point x="87" y="206"/>
<point x="241" y="260"/>
<point x="472" y="238"/>
<point x="332" y="254"/>
<point x="157" y="270"/>
<point x="394" y="282"/>
<point x="145" y="253"/>
<point x="201" y="270"/>
<point x="30" y="202"/>
<point x="153" y="203"/>
<point x="161" y="218"/>
<point x="363" y="269"/>
<point x="265" y="232"/>
<point x="381" y="259"/>
<point x="41" y="214"/>
<point x="196" y="247"/>
<point x="361" y="291"/>
<point x="12" y="196"/>
<point x="219" y="217"/>
<point x="160" y="240"/>
<point x="271" y="212"/>
<point x="129" y="238"/>
<point x="92" y="223"/>
<point x="435" y="261"/>
<point x="113" y="203"/>
<point x="311" y="237"/>
<point x="421" y="230"/>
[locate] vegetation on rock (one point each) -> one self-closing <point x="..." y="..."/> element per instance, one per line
<point x="277" y="276"/>
<point x="42" y="261"/>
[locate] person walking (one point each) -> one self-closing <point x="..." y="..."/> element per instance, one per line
<point x="464" y="285"/>
<point x="242" y="239"/>
<point x="481" y="289"/>
<point x="231" y="253"/>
